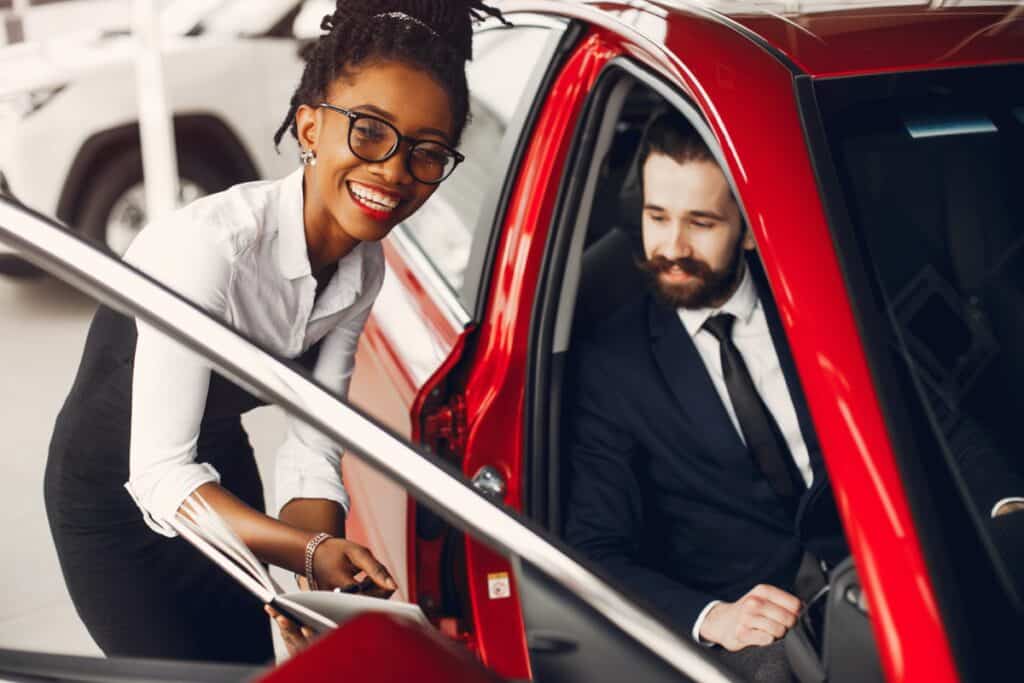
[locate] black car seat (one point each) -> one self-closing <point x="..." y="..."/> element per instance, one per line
<point x="609" y="276"/>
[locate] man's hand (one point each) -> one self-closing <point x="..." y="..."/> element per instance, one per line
<point x="760" y="617"/>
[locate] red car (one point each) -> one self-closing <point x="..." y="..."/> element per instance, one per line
<point x="875" y="153"/>
<point x="810" y="112"/>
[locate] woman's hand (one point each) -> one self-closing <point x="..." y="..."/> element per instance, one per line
<point x="337" y="563"/>
<point x="295" y="637"/>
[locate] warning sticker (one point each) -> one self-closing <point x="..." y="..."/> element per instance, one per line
<point x="498" y="586"/>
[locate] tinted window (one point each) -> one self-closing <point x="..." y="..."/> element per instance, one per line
<point x="930" y="166"/>
<point x="448" y="226"/>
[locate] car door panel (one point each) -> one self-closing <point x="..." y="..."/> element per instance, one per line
<point x="494" y="388"/>
<point x="408" y="338"/>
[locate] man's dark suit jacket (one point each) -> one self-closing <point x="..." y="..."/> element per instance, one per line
<point x="663" y="492"/>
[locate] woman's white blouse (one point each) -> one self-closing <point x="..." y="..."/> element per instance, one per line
<point x="241" y="255"/>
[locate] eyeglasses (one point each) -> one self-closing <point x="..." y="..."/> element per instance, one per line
<point x="373" y="139"/>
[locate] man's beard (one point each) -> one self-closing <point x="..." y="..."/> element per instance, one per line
<point x="707" y="288"/>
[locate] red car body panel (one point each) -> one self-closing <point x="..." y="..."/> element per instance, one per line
<point x="744" y="86"/>
<point x="373" y="647"/>
<point x="893" y="39"/>
<point x="406" y="341"/>
<point x="494" y="389"/>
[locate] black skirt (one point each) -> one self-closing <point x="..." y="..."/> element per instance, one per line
<point x="141" y="594"/>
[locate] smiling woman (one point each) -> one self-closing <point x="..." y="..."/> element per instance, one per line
<point x="295" y="264"/>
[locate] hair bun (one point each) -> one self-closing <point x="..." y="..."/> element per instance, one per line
<point x="452" y="20"/>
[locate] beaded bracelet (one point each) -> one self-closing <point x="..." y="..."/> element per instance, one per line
<point x="310" y="549"/>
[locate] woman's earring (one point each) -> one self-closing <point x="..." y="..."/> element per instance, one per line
<point x="308" y="157"/>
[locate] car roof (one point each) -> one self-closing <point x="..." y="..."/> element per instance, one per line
<point x="845" y="37"/>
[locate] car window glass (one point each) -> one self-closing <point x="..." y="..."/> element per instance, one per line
<point x="932" y="179"/>
<point x="45" y="326"/>
<point x="64" y="463"/>
<point x="449" y="223"/>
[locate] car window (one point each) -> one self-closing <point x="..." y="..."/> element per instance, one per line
<point x="57" y="340"/>
<point x="930" y="171"/>
<point x="452" y="223"/>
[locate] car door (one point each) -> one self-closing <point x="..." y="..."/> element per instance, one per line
<point x="431" y="322"/>
<point x="625" y="637"/>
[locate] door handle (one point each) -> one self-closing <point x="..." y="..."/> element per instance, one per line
<point x="490" y="482"/>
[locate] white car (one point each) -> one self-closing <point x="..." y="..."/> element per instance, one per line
<point x="69" y="141"/>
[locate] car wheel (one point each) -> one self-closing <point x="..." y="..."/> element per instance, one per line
<point x="114" y="207"/>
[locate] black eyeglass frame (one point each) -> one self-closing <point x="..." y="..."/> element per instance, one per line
<point x="354" y="116"/>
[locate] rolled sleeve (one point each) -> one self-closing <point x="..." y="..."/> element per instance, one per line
<point x="308" y="465"/>
<point x="170" y="382"/>
<point x="159" y="495"/>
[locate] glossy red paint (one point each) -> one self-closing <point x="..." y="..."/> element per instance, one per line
<point x="373" y="648"/>
<point x="393" y="377"/>
<point x="884" y="39"/>
<point x="494" y="388"/>
<point x="413" y="283"/>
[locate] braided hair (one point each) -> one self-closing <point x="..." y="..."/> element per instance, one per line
<point x="433" y="35"/>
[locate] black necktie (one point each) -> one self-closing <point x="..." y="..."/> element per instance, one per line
<point x="762" y="434"/>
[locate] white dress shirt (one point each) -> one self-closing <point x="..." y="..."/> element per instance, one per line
<point x="241" y="255"/>
<point x="751" y="335"/>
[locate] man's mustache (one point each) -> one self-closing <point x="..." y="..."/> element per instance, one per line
<point x="689" y="265"/>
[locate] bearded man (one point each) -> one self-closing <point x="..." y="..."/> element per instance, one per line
<point x="693" y="456"/>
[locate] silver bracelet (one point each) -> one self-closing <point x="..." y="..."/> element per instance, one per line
<point x="310" y="549"/>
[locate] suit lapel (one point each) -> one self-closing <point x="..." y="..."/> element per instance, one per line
<point x="688" y="378"/>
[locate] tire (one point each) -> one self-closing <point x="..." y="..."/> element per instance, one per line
<point x="119" y="180"/>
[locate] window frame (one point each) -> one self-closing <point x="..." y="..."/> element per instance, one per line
<point x="554" y="306"/>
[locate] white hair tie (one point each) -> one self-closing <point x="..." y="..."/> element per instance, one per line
<point x="405" y="19"/>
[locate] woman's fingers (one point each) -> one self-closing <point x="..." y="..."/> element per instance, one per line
<point x="378" y="573"/>
<point x="295" y="637"/>
<point x="338" y="563"/>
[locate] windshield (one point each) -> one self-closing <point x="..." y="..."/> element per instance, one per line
<point x="931" y="174"/>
